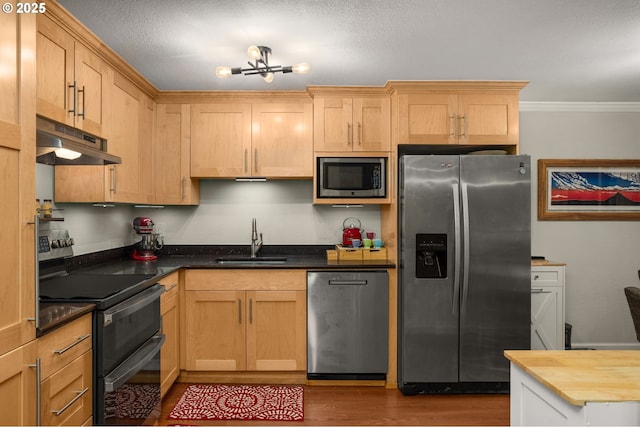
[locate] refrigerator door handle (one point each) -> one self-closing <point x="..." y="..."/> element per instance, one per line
<point x="458" y="245"/>
<point x="465" y="238"/>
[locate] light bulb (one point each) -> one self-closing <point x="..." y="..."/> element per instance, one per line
<point x="302" y="68"/>
<point x="254" y="52"/>
<point x="223" y="72"/>
<point x="65" y="153"/>
<point x="268" y="77"/>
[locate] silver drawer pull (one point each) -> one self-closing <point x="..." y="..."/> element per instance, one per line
<point x="173" y="285"/>
<point x="79" y="394"/>
<point x="73" y="344"/>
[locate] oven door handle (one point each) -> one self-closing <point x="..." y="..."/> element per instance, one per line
<point x="132" y="304"/>
<point x="134" y="363"/>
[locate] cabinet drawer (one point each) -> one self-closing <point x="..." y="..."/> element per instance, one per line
<point x="546" y="277"/>
<point x="170" y="284"/>
<point x="243" y="280"/>
<point x="67" y="394"/>
<point x="58" y="348"/>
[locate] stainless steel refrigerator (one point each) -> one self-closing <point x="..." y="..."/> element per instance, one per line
<point x="464" y="274"/>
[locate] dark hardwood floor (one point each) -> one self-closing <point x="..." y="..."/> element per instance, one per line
<point x="351" y="406"/>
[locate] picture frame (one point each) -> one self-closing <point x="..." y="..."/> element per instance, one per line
<point x="589" y="189"/>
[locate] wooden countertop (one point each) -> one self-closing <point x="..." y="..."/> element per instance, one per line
<point x="538" y="262"/>
<point x="581" y="376"/>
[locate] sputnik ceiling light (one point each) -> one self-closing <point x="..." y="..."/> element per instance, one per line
<point x="260" y="55"/>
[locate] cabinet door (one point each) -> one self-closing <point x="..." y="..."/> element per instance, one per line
<point x="371" y="124"/>
<point x="127" y="182"/>
<point x="333" y="123"/>
<point x="91" y="86"/>
<point x="18" y="385"/>
<point x="55" y="59"/>
<point x="172" y="177"/>
<point x="282" y="140"/>
<point x="169" y="354"/>
<point x="220" y="140"/>
<point x="488" y="119"/>
<point x="17" y="192"/>
<point x="428" y="119"/>
<point x="276" y="331"/>
<point x="215" y="331"/>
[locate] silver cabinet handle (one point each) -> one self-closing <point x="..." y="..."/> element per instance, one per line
<point x="173" y="285"/>
<point x="74" y="98"/>
<point x="36" y="281"/>
<point x="250" y="310"/>
<point x="255" y="160"/>
<point x="453" y="125"/>
<point x="464" y="126"/>
<point x="239" y="311"/>
<point x="114" y="179"/>
<point x="359" y="133"/>
<point x="73" y="344"/>
<point x="83" y="106"/>
<point x="349" y="133"/>
<point x="78" y="395"/>
<point x="38" y="366"/>
<point x="539" y="291"/>
<point x="245" y="161"/>
<point x="184" y="188"/>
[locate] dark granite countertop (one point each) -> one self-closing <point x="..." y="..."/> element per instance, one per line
<point x="170" y="259"/>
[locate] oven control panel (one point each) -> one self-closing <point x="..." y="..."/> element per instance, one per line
<point x="54" y="244"/>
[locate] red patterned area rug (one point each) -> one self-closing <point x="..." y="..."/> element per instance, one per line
<point x="240" y="402"/>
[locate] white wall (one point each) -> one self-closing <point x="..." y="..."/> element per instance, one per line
<point x="602" y="257"/>
<point x="283" y="210"/>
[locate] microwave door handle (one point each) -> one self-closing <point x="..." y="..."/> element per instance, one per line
<point x="132" y="305"/>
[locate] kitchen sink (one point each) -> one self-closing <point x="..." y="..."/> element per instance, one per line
<point x="251" y="260"/>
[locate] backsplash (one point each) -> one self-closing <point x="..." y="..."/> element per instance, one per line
<point x="283" y="209"/>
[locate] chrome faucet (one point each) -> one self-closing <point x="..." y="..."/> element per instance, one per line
<point x="255" y="243"/>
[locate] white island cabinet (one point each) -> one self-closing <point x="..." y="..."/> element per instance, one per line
<point x="575" y="388"/>
<point x="547" y="305"/>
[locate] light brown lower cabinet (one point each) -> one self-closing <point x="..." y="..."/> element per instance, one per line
<point x="170" y="352"/>
<point x="66" y="374"/>
<point x="245" y="320"/>
<point x="18" y="386"/>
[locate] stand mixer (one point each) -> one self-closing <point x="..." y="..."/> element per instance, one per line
<point x="151" y="242"/>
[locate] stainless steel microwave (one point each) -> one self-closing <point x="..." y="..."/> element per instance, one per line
<point x="351" y="177"/>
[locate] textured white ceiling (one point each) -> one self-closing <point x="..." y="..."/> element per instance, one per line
<point x="569" y="50"/>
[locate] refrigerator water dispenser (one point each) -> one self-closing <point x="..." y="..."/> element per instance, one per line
<point x="431" y="256"/>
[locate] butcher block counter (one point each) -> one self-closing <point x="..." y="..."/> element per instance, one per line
<point x="576" y="387"/>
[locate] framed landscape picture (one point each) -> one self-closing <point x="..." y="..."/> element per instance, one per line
<point x="589" y="189"/>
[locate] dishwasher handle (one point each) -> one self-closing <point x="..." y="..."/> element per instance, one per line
<point x="355" y="282"/>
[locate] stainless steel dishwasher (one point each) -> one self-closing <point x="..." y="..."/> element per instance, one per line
<point x="347" y="324"/>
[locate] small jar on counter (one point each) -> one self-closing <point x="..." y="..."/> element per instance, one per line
<point x="46" y="208"/>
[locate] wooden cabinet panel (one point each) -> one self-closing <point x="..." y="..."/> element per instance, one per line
<point x="352" y="124"/>
<point x="172" y="171"/>
<point x="276" y="333"/>
<point x="282" y="140"/>
<point x="215" y="331"/>
<point x="18" y="384"/>
<point x="220" y="140"/>
<point x="238" y="329"/>
<point x="17" y="192"/>
<point x="170" y="352"/>
<point x="71" y="80"/>
<point x="67" y="395"/>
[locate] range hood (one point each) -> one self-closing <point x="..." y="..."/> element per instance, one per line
<point x="58" y="144"/>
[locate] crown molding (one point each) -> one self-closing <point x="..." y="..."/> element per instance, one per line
<point x="581" y="107"/>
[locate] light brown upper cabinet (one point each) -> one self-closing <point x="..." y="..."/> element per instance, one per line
<point x="71" y="81"/>
<point x="344" y="123"/>
<point x="467" y="113"/>
<point x="129" y="131"/>
<point x="172" y="172"/>
<point x="273" y="140"/>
